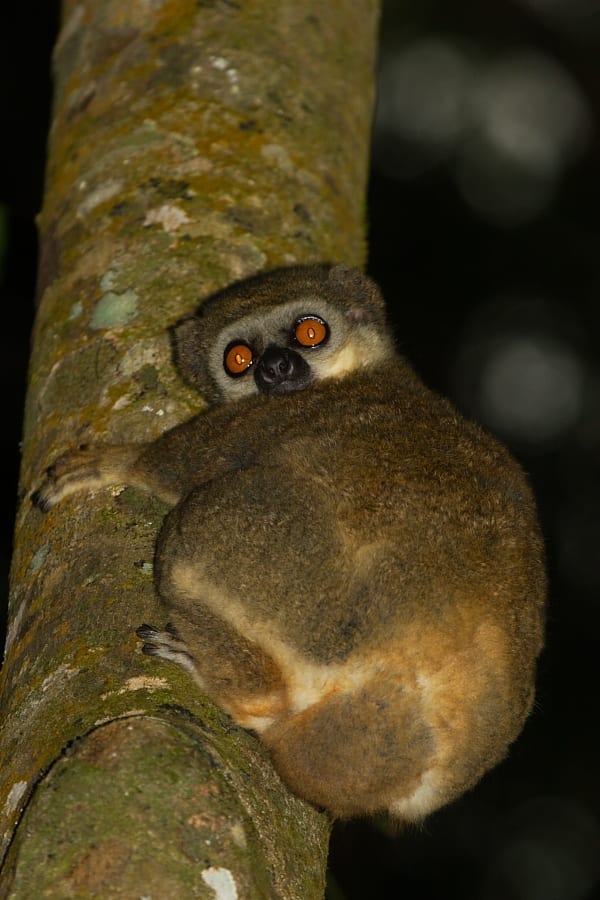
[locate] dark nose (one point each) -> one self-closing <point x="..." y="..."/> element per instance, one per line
<point x="276" y="364"/>
<point x="281" y="370"/>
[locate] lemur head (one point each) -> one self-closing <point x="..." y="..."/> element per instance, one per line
<point x="281" y="331"/>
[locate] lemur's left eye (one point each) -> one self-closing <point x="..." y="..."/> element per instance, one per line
<point x="311" y="331"/>
<point x="238" y="358"/>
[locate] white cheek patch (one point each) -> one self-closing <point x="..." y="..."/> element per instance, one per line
<point x="369" y="348"/>
<point x="341" y="363"/>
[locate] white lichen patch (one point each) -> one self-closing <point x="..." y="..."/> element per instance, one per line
<point x="233" y="78"/>
<point x="223" y="65"/>
<point x="142" y="353"/>
<point x="121" y="403"/>
<point x="238" y="835"/>
<point x="219" y="62"/>
<point x="49" y="687"/>
<point x="108" y="280"/>
<point x="198" y="165"/>
<point x="14" y="797"/>
<point x="144" y="682"/>
<point x="60" y="674"/>
<point x="168" y="215"/>
<point x="75" y="310"/>
<point x="222" y="882"/>
<point x="140" y="683"/>
<point x="275" y="153"/>
<point x="14" y="627"/>
<point x="102" y="194"/>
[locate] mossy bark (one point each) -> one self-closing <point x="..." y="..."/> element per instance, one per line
<point x="192" y="143"/>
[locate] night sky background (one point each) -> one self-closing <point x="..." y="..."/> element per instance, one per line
<point x="485" y="236"/>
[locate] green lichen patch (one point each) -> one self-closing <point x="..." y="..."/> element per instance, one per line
<point x="115" y="310"/>
<point x="38" y="558"/>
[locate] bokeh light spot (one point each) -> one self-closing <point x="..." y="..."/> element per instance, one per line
<point x="531" y="387"/>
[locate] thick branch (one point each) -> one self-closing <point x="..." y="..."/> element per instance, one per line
<point x="191" y="144"/>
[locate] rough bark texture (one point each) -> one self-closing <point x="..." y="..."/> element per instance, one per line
<point x="192" y="144"/>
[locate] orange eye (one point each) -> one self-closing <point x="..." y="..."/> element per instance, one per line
<point x="237" y="359"/>
<point x="311" y="331"/>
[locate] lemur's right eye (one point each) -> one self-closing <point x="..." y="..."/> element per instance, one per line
<point x="238" y="358"/>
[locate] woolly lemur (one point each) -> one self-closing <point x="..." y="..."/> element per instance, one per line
<point x="350" y="568"/>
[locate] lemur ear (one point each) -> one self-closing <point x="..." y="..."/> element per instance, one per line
<point x="357" y="294"/>
<point x="190" y="355"/>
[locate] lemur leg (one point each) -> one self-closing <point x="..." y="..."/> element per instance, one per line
<point x="234" y="671"/>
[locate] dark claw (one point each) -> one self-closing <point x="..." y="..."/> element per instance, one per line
<point x="147" y="632"/>
<point x="150" y="650"/>
<point x="40" y="501"/>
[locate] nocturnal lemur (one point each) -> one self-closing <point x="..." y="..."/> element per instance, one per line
<point x="350" y="569"/>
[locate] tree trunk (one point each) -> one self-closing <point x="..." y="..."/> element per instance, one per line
<point x="192" y="143"/>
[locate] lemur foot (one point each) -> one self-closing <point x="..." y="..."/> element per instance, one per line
<point x="83" y="469"/>
<point x="166" y="644"/>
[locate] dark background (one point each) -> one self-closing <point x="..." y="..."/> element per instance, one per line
<point x="484" y="233"/>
